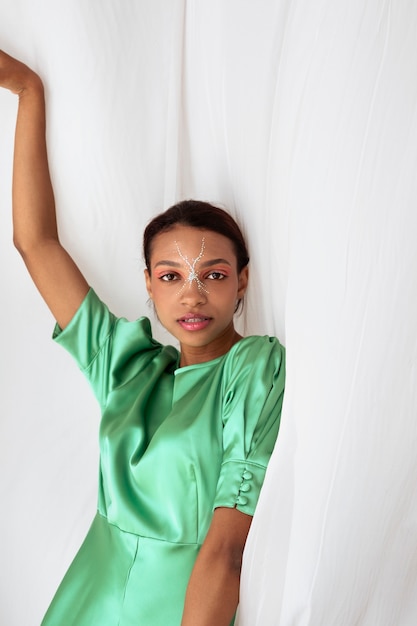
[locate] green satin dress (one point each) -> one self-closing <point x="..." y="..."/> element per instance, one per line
<point x="175" y="443"/>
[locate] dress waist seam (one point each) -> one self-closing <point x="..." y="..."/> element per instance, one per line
<point x="147" y="537"/>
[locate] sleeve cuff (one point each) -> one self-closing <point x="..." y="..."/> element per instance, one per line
<point x="239" y="485"/>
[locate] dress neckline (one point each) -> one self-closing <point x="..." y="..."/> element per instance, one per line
<point x="179" y="370"/>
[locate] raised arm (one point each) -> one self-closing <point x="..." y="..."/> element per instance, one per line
<point x="35" y="233"/>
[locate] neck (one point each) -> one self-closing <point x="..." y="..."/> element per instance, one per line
<point x="191" y="355"/>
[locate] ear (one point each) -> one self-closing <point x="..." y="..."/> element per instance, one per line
<point x="243" y="282"/>
<point x="148" y="283"/>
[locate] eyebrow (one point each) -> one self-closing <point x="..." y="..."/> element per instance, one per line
<point x="204" y="264"/>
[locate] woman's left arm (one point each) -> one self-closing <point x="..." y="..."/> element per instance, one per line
<point x="213" y="590"/>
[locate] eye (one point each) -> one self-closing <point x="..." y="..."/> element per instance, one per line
<point x="216" y="276"/>
<point x="169" y="277"/>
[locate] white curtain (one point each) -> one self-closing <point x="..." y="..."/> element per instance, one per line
<point x="301" y="117"/>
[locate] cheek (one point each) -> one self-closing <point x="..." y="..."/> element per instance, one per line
<point x="156" y="289"/>
<point x="225" y="291"/>
<point x="163" y="293"/>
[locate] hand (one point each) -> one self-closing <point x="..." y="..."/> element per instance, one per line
<point x="17" y="76"/>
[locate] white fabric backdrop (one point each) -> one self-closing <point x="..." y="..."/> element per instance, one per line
<point x="301" y="117"/>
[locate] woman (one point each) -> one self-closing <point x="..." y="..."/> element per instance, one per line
<point x="185" y="435"/>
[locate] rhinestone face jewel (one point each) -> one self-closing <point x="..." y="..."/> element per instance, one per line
<point x="192" y="274"/>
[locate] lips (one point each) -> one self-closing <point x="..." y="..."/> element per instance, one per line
<point x="191" y="321"/>
<point x="192" y="317"/>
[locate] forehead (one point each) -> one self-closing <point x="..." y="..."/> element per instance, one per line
<point x="189" y="241"/>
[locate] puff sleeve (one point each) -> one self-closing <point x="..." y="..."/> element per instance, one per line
<point x="254" y="380"/>
<point x="108" y="350"/>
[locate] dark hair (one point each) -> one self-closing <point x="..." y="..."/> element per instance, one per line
<point x="196" y="214"/>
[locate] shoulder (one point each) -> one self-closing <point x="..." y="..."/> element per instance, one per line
<point x="93" y="315"/>
<point x="95" y="330"/>
<point x="255" y="361"/>
<point x="257" y="351"/>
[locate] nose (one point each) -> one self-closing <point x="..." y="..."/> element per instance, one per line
<point x="193" y="293"/>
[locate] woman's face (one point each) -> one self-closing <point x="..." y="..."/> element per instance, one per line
<point x="194" y="285"/>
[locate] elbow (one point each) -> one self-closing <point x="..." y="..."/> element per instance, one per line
<point x="235" y="558"/>
<point x="231" y="559"/>
<point x="18" y="244"/>
<point x="28" y="244"/>
<point x="226" y="558"/>
<point x="23" y="247"/>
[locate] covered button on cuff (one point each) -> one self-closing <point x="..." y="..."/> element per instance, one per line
<point x="239" y="485"/>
